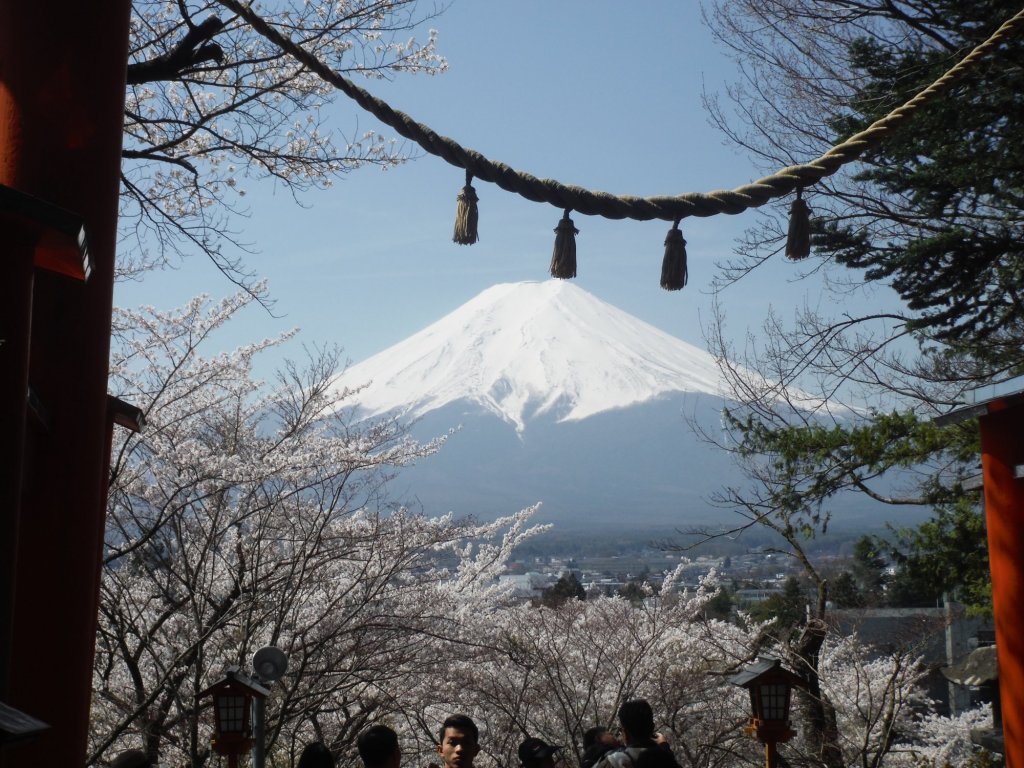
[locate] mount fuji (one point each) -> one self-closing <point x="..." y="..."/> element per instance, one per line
<point x="527" y="350"/>
<point x="558" y="397"/>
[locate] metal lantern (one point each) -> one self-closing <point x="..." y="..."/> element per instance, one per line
<point x="233" y="696"/>
<point x="771" y="687"/>
<point x="771" y="701"/>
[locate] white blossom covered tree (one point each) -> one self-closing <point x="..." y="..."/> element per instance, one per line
<point x="555" y="672"/>
<point x="212" y="106"/>
<point x="247" y="515"/>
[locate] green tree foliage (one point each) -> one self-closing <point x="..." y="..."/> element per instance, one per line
<point x="935" y="214"/>
<point x="944" y="555"/>
<point x="960" y="174"/>
<point x="567" y="587"/>
<point x="720" y="606"/>
<point x="633" y="591"/>
<point x="869" y="568"/>
<point x="787" y="609"/>
<point x="865" y="582"/>
<point x="845" y="593"/>
<point x="813" y="461"/>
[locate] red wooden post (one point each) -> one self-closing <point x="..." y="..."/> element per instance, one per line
<point x="62" y="80"/>
<point x="1002" y="450"/>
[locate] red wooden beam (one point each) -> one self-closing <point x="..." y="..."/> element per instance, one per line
<point x="62" y="80"/>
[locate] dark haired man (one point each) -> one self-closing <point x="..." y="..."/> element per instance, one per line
<point x="316" y="755"/>
<point x="133" y="758"/>
<point x="378" y="747"/>
<point x="637" y="722"/>
<point x="459" y="742"/>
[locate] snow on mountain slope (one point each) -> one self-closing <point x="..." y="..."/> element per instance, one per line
<point x="525" y="349"/>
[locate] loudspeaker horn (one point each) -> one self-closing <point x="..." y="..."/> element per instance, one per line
<point x="269" y="663"/>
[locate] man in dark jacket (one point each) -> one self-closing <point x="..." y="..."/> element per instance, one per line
<point x="637" y="722"/>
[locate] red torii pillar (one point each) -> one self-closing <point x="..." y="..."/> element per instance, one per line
<point x="1001" y="423"/>
<point x="1002" y="452"/>
<point x="62" y="81"/>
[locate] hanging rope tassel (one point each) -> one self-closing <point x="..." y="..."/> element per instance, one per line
<point x="563" y="259"/>
<point x="673" y="266"/>
<point x="466" y="214"/>
<point x="798" y="239"/>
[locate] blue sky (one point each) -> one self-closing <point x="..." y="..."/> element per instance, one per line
<point x="586" y="92"/>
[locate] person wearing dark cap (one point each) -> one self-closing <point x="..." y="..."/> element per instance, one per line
<point x="537" y="753"/>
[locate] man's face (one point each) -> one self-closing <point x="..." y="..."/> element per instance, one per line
<point x="457" y="749"/>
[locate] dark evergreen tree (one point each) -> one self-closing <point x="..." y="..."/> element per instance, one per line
<point x="720" y="606"/>
<point x="946" y="555"/>
<point x="863" y="584"/>
<point x="869" y="570"/>
<point x="845" y="593"/>
<point x="787" y="609"/>
<point x="935" y="213"/>
<point x="958" y="174"/>
<point x="633" y="592"/>
<point x="567" y="587"/>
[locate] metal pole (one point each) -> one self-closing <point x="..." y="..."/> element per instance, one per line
<point x="259" y="748"/>
<point x="771" y="755"/>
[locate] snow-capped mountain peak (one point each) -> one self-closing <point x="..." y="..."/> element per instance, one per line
<point x="524" y="349"/>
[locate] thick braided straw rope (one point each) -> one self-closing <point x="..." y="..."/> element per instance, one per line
<point x="611" y="206"/>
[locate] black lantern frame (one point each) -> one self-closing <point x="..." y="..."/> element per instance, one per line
<point x="771" y="694"/>
<point x="233" y="696"/>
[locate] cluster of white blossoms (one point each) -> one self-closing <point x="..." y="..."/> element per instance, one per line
<point x="194" y="135"/>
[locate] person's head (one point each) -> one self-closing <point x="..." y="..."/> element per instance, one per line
<point x="592" y="736"/>
<point x="636" y="719"/>
<point x="316" y="755"/>
<point x="132" y="758"/>
<point x="599" y="736"/>
<point x="378" y="747"/>
<point x="459" y="742"/>
<point x="537" y="753"/>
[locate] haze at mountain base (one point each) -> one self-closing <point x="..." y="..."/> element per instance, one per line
<point x="625" y="466"/>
